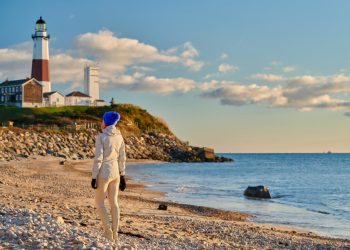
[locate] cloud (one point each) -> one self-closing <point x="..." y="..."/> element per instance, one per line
<point x="237" y="95"/>
<point x="15" y="63"/>
<point x="188" y="55"/>
<point x="115" y="54"/>
<point x="303" y="93"/>
<point x="66" y="68"/>
<point x="223" y="56"/>
<point x="189" y="51"/>
<point x="143" y="83"/>
<point x="207" y="76"/>
<point x="268" y="77"/>
<point x="142" y="68"/>
<point x="226" y="68"/>
<point x="288" y="69"/>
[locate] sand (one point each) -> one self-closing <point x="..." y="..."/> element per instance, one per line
<point x="45" y="205"/>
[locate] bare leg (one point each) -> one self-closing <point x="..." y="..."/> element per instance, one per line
<point x="101" y="192"/>
<point x="113" y="189"/>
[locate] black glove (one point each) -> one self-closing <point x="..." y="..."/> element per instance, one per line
<point x="122" y="184"/>
<point x="93" y="183"/>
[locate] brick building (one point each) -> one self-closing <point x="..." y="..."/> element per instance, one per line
<point x="21" y="93"/>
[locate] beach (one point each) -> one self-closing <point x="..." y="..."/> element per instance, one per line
<point x="49" y="204"/>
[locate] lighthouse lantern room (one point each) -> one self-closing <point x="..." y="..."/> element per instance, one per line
<point x="40" y="63"/>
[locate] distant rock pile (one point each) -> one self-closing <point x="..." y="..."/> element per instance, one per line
<point x="15" y="143"/>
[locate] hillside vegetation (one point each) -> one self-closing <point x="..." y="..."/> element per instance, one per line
<point x="134" y="120"/>
<point x="146" y="136"/>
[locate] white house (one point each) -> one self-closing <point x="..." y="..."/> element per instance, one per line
<point x="76" y="98"/>
<point x="53" y="99"/>
<point x="99" y="103"/>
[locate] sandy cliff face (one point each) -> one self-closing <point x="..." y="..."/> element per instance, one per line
<point x="16" y="143"/>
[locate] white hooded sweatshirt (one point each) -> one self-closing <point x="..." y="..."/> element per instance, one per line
<point x="110" y="154"/>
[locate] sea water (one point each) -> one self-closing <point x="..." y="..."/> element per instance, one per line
<point x="309" y="191"/>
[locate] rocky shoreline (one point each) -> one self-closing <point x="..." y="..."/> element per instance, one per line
<point x="18" y="143"/>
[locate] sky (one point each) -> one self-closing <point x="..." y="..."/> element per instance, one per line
<point x="238" y="76"/>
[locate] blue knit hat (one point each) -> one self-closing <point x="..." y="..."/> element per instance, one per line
<point x="111" y="118"/>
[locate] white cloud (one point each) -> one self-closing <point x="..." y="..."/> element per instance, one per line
<point x="223" y="56"/>
<point x="189" y="51"/>
<point x="115" y="54"/>
<point x="303" y="93"/>
<point x="226" y="68"/>
<point x="193" y="65"/>
<point x="141" y="82"/>
<point x="207" y="76"/>
<point x="142" y="68"/>
<point x="237" y="95"/>
<point x="66" y="68"/>
<point x="268" y="77"/>
<point x="188" y="55"/>
<point x="15" y="63"/>
<point x="288" y="69"/>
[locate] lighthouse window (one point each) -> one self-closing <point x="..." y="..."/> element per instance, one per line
<point x="41" y="27"/>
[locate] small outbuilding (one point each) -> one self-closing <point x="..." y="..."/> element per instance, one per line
<point x="77" y="98"/>
<point x="54" y="99"/>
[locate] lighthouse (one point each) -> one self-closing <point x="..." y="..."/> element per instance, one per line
<point x="40" y="63"/>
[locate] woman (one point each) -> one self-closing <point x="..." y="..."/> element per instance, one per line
<point x="108" y="172"/>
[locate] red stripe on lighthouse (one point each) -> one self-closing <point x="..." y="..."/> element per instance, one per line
<point x="41" y="70"/>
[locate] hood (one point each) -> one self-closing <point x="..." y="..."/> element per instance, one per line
<point x="111" y="130"/>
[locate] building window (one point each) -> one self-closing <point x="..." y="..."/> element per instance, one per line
<point x="2" y="98"/>
<point x="58" y="99"/>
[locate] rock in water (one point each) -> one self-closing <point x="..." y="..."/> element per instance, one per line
<point x="258" y="192"/>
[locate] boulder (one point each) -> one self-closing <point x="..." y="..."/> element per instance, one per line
<point x="258" y="192"/>
<point x="162" y="207"/>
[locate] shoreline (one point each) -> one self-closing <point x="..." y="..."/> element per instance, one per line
<point x="44" y="186"/>
<point x="248" y="217"/>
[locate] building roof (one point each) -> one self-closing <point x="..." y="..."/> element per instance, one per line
<point x="78" y="94"/>
<point x="47" y="94"/>
<point x="14" y="82"/>
<point x="41" y="20"/>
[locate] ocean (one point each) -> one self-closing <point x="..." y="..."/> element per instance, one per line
<point x="309" y="191"/>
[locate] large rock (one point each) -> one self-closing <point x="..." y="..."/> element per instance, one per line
<point x="258" y="192"/>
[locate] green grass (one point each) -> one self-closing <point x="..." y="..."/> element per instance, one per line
<point x="133" y="118"/>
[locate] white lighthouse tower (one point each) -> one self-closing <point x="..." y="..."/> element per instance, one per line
<point x="40" y="64"/>
<point x="92" y="82"/>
